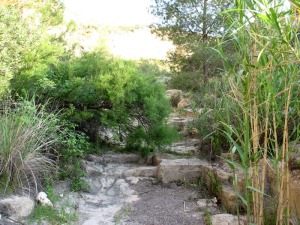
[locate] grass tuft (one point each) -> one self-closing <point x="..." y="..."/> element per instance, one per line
<point x="26" y="139"/>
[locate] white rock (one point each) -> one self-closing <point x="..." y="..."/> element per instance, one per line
<point x="43" y="199"/>
<point x="227" y="219"/>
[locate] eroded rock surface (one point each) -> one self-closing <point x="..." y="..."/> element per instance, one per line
<point x="227" y="219"/>
<point x="16" y="207"/>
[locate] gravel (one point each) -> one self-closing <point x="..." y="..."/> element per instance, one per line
<point x="160" y="204"/>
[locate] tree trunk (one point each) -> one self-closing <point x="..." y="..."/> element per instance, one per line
<point x="204" y="38"/>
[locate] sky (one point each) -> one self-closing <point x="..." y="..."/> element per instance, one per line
<point x="109" y="12"/>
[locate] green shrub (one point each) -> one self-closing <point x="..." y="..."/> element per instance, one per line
<point x="27" y="135"/>
<point x="186" y="81"/>
<point x="72" y="147"/>
<point x="97" y="90"/>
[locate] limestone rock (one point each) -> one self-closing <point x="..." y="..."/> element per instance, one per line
<point x="114" y="158"/>
<point x="294" y="191"/>
<point x="156" y="160"/>
<point x="222" y="176"/>
<point x="132" y="180"/>
<point x="228" y="198"/>
<point x="92" y="169"/>
<point x="146" y="171"/>
<point x="190" y="147"/>
<point x="43" y="199"/>
<point x="207" y="203"/>
<point x="184" y="103"/>
<point x="181" y="169"/>
<point x="16" y="207"/>
<point x="227" y="219"/>
<point x="294" y="160"/>
<point x="181" y="122"/>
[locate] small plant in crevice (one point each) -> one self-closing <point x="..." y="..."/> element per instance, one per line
<point x="213" y="185"/>
<point x="53" y="215"/>
<point x="125" y="211"/>
<point x="207" y="217"/>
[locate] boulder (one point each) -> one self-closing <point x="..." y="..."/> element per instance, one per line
<point x="16" y="207"/>
<point x="227" y="219"/>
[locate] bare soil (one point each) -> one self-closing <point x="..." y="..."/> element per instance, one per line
<point x="161" y="204"/>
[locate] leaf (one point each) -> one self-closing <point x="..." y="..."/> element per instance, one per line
<point x="230" y="164"/>
<point x="296" y="3"/>
<point x="275" y="20"/>
<point x="234" y="165"/>
<point x="258" y="191"/>
<point x="250" y="4"/>
<point x="243" y="199"/>
<point x="264" y="17"/>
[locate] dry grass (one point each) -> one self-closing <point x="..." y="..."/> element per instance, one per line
<point x="25" y="142"/>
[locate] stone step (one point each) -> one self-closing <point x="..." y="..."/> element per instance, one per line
<point x="145" y="171"/>
<point x="189" y="147"/>
<point x="225" y="219"/>
<point x="114" y="158"/>
<point x="182" y="169"/>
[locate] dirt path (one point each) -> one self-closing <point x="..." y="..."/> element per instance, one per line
<point x="159" y="204"/>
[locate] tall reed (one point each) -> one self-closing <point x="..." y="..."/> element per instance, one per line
<point x="264" y="88"/>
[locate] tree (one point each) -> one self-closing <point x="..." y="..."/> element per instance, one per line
<point x="193" y="26"/>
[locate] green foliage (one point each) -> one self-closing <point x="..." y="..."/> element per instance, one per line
<point x="105" y="91"/>
<point x="52" y="11"/>
<point x="262" y="110"/>
<point x="72" y="146"/>
<point x="193" y="27"/>
<point x="186" y="81"/>
<point x="183" y="20"/>
<point x="27" y="52"/>
<point x="16" y="44"/>
<point x="63" y="212"/>
<point x="207" y="217"/>
<point x="89" y="92"/>
<point x="214" y="187"/>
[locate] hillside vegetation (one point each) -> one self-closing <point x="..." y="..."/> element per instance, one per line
<point x="237" y="61"/>
<point x="55" y="100"/>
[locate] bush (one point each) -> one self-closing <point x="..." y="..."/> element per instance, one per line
<point x="72" y="146"/>
<point x="97" y="90"/>
<point x="27" y="135"/>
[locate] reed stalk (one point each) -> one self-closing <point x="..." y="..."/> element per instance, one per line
<point x="263" y="88"/>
